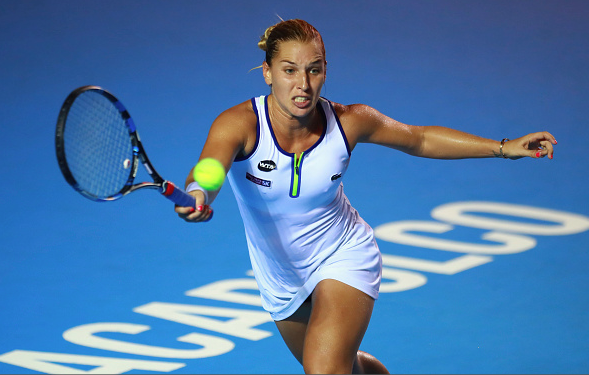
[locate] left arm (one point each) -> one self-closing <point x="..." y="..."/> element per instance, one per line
<point x="364" y="124"/>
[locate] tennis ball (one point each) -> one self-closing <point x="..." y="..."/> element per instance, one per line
<point x="209" y="173"/>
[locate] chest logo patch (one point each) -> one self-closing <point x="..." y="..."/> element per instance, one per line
<point x="258" y="181"/>
<point x="266" y="166"/>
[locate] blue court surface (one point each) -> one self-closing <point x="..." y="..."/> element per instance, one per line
<point x="485" y="261"/>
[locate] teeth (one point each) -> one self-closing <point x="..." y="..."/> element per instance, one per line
<point x="300" y="99"/>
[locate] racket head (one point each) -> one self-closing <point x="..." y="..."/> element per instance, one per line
<point x="96" y="144"/>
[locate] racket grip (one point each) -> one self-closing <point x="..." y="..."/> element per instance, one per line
<point x="177" y="195"/>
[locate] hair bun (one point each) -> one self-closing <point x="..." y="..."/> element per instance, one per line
<point x="264" y="39"/>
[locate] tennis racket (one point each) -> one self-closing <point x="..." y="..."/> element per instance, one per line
<point x="98" y="149"/>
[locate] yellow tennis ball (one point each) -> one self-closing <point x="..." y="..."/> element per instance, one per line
<point x="209" y="173"/>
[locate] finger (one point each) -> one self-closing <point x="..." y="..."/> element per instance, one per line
<point x="193" y="217"/>
<point x="183" y="210"/>
<point x="186" y="213"/>
<point x="551" y="138"/>
<point x="542" y="137"/>
<point x="199" y="202"/>
<point x="548" y="149"/>
<point x="210" y="216"/>
<point x="189" y="214"/>
<point x="545" y="149"/>
<point x="201" y="214"/>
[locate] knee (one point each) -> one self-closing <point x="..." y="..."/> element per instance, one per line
<point x="326" y="365"/>
<point x="368" y="364"/>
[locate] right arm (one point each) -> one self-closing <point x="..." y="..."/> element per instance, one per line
<point x="232" y="134"/>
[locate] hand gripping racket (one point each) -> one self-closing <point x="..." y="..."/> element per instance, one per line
<point x="98" y="149"/>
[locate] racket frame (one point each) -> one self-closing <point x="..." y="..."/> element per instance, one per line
<point x="165" y="187"/>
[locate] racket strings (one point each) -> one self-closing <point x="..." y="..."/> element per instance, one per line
<point x="98" y="148"/>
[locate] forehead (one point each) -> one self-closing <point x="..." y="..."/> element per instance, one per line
<point x="297" y="51"/>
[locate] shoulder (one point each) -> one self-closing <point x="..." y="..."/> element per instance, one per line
<point x="241" y="114"/>
<point x="353" y="112"/>
<point x="364" y="124"/>
<point x="357" y="120"/>
<point x="237" y="120"/>
<point x="238" y="126"/>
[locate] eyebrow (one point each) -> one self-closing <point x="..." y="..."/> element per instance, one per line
<point x="316" y="62"/>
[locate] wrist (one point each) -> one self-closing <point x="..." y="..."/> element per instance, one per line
<point x="193" y="186"/>
<point x="501" y="152"/>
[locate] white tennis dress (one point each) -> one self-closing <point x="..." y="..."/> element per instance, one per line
<point x="299" y="225"/>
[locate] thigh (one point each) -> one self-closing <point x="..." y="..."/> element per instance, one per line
<point x="331" y="322"/>
<point x="294" y="328"/>
<point x="339" y="318"/>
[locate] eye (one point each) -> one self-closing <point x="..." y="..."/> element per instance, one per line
<point x="289" y="70"/>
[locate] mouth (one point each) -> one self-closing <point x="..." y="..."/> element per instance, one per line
<point x="301" y="101"/>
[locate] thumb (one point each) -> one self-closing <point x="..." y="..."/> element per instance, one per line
<point x="200" y="199"/>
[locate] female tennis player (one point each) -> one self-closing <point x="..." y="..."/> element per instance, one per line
<point x="315" y="260"/>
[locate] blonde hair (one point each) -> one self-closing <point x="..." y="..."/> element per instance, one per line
<point x="283" y="31"/>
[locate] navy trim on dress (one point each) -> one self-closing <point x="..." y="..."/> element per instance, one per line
<point x="341" y="129"/>
<point x="253" y="100"/>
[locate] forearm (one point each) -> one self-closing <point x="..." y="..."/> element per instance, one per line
<point x="438" y="142"/>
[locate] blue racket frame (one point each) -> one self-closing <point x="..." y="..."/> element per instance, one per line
<point x="166" y="188"/>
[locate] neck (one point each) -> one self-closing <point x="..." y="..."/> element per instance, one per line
<point x="290" y="126"/>
<point x="295" y="134"/>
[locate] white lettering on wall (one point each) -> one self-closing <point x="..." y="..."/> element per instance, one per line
<point x="44" y="362"/>
<point x="85" y="335"/>
<point x="565" y="222"/>
<point x="399" y="232"/>
<point x="240" y="325"/>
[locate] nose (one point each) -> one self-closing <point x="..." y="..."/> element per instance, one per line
<point x="304" y="82"/>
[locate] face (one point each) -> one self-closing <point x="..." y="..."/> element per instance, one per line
<point x="296" y="77"/>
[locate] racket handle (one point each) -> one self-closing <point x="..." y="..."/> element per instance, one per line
<point x="177" y="195"/>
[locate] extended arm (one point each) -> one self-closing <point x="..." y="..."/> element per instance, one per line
<point x="367" y="125"/>
<point x="228" y="137"/>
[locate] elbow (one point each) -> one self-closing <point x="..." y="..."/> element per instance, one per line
<point x="418" y="143"/>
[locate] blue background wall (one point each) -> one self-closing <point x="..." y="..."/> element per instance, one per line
<point x="497" y="69"/>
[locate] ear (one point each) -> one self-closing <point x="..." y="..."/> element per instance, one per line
<point x="267" y="73"/>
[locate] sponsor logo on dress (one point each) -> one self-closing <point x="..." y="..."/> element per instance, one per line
<point x="257" y="180"/>
<point x="266" y="166"/>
